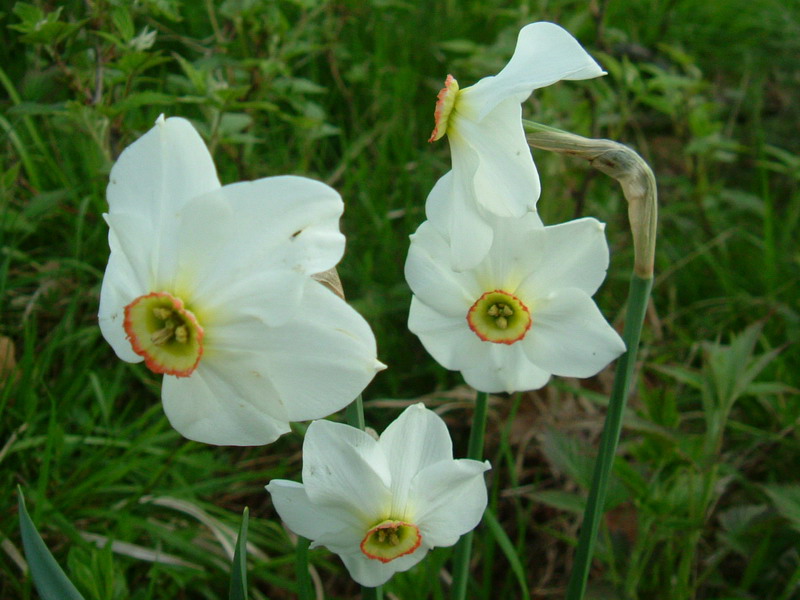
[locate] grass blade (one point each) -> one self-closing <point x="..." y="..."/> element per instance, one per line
<point x="507" y="547"/>
<point x="50" y="581"/>
<point x="238" y="587"/>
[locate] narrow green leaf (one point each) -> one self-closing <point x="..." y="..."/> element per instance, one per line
<point x="786" y="499"/>
<point x="507" y="547"/>
<point x="49" y="579"/>
<point x="238" y="587"/>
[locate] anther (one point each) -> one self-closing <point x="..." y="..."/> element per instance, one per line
<point x="182" y="334"/>
<point x="162" y="313"/>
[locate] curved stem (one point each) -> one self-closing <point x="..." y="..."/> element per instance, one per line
<point x="463" y="549"/>
<point x="639" y="187"/>
<point x="595" y="503"/>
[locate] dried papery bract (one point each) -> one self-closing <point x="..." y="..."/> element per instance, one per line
<point x="626" y="166"/>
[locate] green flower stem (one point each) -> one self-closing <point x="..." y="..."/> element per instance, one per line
<point x="639" y="187"/>
<point x="595" y="504"/>
<point x="354" y="413"/>
<point x="304" y="588"/>
<point x="368" y="593"/>
<point x="463" y="549"/>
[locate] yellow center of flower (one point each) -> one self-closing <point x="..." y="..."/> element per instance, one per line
<point x="499" y="317"/>
<point x="445" y="102"/>
<point x="163" y="331"/>
<point x="391" y="539"/>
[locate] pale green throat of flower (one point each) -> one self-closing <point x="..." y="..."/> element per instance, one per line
<point x="499" y="317"/>
<point x="390" y="539"/>
<point x="165" y="333"/>
<point x="445" y="102"/>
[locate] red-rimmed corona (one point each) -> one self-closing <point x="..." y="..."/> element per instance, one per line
<point x="165" y="333"/>
<point x="390" y="539"/>
<point x="445" y="102"/>
<point x="499" y="317"/>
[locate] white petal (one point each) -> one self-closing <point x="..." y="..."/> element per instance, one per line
<point x="223" y="269"/>
<point x="162" y="170"/>
<point x="452" y="209"/>
<point x="517" y="251"/>
<point x="451" y="498"/>
<point x="133" y="237"/>
<point x="431" y="278"/>
<point x="572" y="254"/>
<point x="222" y="406"/>
<point x="120" y="287"/>
<point x="504" y="179"/>
<point x="321" y="360"/>
<point x="344" y="468"/>
<point x="507" y="369"/>
<point x="545" y="53"/>
<point x="449" y="340"/>
<point x="569" y="336"/>
<point x="299" y="514"/>
<point x="372" y="573"/>
<point x="415" y="440"/>
<point x="154" y="177"/>
<point x="277" y="222"/>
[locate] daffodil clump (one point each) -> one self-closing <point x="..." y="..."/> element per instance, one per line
<point x="212" y="286"/>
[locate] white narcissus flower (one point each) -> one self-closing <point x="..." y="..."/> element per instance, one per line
<point x="212" y="287"/>
<point x="523" y="313"/>
<point x="382" y="504"/>
<point x="493" y="168"/>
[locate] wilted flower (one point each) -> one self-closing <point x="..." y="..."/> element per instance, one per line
<point x="523" y="313"/>
<point x="493" y="168"/>
<point x="382" y="504"/>
<point x="211" y="286"/>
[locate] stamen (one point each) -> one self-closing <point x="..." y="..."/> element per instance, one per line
<point x="182" y="334"/>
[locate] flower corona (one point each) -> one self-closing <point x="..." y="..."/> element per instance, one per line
<point x="165" y="333"/>
<point x="499" y="317"/>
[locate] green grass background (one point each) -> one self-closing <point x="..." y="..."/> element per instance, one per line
<point x="705" y="501"/>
